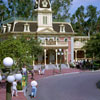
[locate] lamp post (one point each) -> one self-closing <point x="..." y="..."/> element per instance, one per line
<point x="60" y="53"/>
<point x="8" y="62"/>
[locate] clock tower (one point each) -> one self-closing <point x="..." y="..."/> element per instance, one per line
<point x="44" y="14"/>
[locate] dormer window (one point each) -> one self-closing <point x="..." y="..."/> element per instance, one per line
<point x="26" y="28"/>
<point x="44" y="19"/>
<point x="9" y="27"/>
<point x="62" y="28"/>
<point x="3" y="28"/>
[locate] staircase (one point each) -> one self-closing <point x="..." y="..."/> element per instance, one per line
<point x="52" y="66"/>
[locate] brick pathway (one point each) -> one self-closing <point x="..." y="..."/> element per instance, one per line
<point x="37" y="77"/>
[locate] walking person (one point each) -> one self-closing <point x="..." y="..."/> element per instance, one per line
<point x="14" y="88"/>
<point x="42" y="69"/>
<point x="39" y="71"/>
<point x="34" y="88"/>
<point x="32" y="74"/>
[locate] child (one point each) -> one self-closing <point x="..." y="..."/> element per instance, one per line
<point x="14" y="88"/>
<point x="34" y="88"/>
<point x="39" y="71"/>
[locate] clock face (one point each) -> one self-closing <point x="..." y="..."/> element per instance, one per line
<point x="44" y="4"/>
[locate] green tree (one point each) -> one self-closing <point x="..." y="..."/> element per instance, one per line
<point x="85" y="23"/>
<point x="93" y="46"/>
<point x="20" y="49"/>
<point x="3" y="11"/>
<point x="21" y="8"/>
<point x="34" y="48"/>
<point x="78" y="20"/>
<point x="98" y="24"/>
<point x="60" y="8"/>
<point x="12" y="48"/>
<point x="91" y="16"/>
<point x="25" y="8"/>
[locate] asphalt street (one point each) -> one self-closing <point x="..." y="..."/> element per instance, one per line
<point x="81" y="86"/>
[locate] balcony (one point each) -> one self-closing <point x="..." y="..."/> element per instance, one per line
<point x="54" y="43"/>
<point x="62" y="43"/>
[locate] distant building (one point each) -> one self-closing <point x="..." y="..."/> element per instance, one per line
<point x="58" y="38"/>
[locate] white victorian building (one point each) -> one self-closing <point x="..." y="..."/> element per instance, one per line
<point x="57" y="37"/>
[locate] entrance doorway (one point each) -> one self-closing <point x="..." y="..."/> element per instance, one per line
<point x="51" y="56"/>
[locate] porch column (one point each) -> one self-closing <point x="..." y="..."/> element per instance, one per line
<point x="75" y="55"/>
<point x="66" y="56"/>
<point x="84" y="54"/>
<point x="45" y="56"/>
<point x="72" y="49"/>
<point x="69" y="49"/>
<point x="56" y="40"/>
<point x="56" y="57"/>
<point x="33" y="62"/>
<point x="45" y="41"/>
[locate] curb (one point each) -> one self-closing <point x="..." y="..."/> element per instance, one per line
<point x="61" y="75"/>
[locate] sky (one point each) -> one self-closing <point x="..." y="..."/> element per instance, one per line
<point x="85" y="3"/>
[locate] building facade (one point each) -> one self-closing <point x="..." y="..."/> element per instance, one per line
<point x="57" y="38"/>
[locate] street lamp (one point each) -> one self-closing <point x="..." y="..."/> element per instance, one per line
<point x="8" y="62"/>
<point x="60" y="53"/>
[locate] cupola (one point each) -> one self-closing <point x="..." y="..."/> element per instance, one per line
<point x="44" y="14"/>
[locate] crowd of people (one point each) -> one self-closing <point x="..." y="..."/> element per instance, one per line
<point x="82" y="64"/>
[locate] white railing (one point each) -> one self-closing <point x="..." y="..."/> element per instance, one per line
<point x="55" y="43"/>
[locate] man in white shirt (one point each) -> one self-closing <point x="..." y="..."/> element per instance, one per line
<point x="24" y="70"/>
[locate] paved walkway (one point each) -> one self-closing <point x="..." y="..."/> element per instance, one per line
<point x="37" y="77"/>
